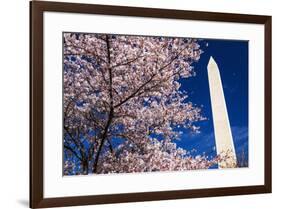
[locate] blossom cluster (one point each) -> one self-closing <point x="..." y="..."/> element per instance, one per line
<point x="124" y="105"/>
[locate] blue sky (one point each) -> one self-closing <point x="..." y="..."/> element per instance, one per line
<point x="232" y="59"/>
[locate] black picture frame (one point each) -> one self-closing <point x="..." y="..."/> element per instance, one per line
<point x="37" y="8"/>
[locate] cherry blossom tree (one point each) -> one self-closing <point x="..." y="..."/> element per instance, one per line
<point x="123" y="105"/>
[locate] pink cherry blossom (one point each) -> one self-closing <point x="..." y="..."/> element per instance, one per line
<point x="122" y="102"/>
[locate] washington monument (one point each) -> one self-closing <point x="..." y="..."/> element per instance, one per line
<point x="223" y="135"/>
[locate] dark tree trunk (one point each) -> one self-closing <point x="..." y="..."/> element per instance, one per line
<point x="111" y="112"/>
<point x="85" y="167"/>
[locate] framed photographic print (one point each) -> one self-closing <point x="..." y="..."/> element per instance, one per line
<point x="139" y="104"/>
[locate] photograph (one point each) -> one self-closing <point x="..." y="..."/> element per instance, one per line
<point x="135" y="103"/>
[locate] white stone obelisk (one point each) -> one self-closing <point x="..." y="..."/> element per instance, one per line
<point x="223" y="136"/>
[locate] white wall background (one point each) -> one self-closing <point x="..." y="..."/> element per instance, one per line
<point x="14" y="103"/>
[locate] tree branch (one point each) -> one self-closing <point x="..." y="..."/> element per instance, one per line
<point x="128" y="62"/>
<point x="72" y="150"/>
<point x="111" y="112"/>
<point x="135" y="92"/>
